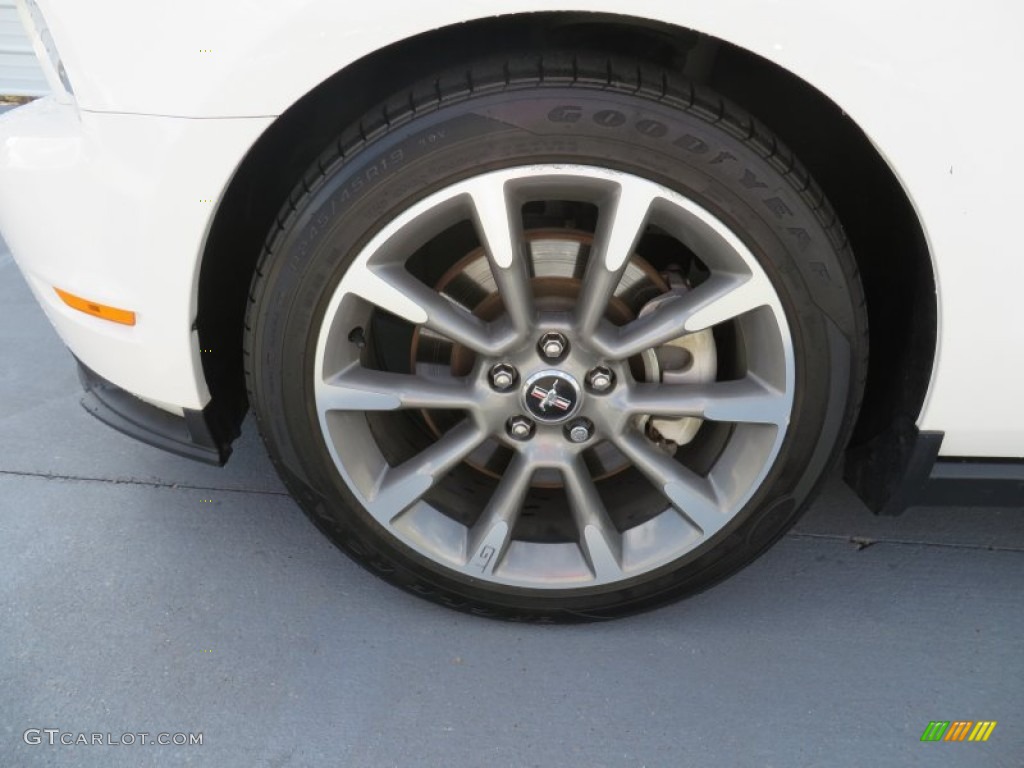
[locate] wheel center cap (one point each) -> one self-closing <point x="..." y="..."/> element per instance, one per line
<point x="551" y="396"/>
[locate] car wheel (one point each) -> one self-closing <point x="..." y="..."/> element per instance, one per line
<point x="555" y="338"/>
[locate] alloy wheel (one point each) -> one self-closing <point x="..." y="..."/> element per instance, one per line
<point x="566" y="413"/>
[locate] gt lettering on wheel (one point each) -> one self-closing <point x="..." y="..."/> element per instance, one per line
<point x="566" y="360"/>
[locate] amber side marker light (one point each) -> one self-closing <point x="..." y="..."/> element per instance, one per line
<point x="113" y="314"/>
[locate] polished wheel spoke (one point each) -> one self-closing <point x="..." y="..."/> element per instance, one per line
<point x="394" y="289"/>
<point x="692" y="495"/>
<point x="620" y="225"/>
<point x="747" y="400"/>
<point x="599" y="541"/>
<point x="490" y="536"/>
<point x="402" y="486"/>
<point x="727" y="297"/>
<point x="500" y="231"/>
<point x="722" y="297"/>
<point x="362" y="389"/>
<point x="662" y="325"/>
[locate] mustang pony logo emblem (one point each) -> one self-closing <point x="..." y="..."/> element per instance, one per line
<point x="549" y="397"/>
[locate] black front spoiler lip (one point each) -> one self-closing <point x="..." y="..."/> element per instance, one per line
<point x="188" y="435"/>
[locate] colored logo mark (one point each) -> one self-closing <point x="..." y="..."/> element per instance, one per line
<point x="958" y="730"/>
<point x="549" y="397"/>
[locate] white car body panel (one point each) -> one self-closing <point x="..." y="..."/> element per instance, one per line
<point x="925" y="82"/>
<point x="116" y="209"/>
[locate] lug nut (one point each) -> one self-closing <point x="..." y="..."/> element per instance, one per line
<point x="503" y="376"/>
<point x="580" y="431"/>
<point x="579" y="434"/>
<point x="600" y="379"/>
<point x="552" y="345"/>
<point x="520" y="428"/>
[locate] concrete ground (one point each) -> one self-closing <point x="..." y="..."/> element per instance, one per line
<point x="140" y="592"/>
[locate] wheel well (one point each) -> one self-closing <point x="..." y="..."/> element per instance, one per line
<point x="882" y="226"/>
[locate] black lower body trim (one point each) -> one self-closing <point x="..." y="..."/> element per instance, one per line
<point x="901" y="468"/>
<point x="188" y="435"/>
<point x="971" y="483"/>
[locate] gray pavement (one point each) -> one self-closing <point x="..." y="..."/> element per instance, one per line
<point x="140" y="592"/>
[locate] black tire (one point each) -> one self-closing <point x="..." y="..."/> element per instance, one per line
<point x="620" y="114"/>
